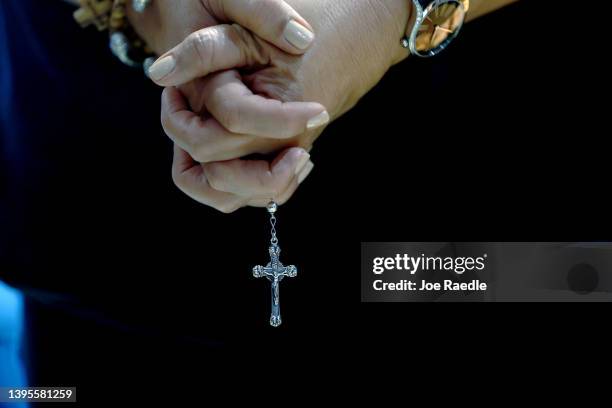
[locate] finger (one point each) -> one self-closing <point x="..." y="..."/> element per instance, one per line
<point x="257" y="178"/>
<point x="273" y="20"/>
<point x="291" y="188"/>
<point x="240" y="111"/>
<point x="189" y="177"/>
<point x="204" y="139"/>
<point x="208" y="50"/>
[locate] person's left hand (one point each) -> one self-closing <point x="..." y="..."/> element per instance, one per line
<point x="230" y="185"/>
<point x="206" y="168"/>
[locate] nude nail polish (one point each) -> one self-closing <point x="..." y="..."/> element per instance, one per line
<point x="318" y="121"/>
<point x="162" y="67"/>
<point x="298" y="35"/>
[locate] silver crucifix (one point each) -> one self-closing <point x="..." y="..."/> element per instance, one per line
<point x="274" y="271"/>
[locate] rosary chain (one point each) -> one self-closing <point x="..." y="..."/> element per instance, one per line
<point x="274" y="239"/>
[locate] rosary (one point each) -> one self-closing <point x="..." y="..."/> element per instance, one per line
<point x="131" y="50"/>
<point x="274" y="271"/>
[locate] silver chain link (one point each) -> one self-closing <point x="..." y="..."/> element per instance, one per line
<point x="274" y="239"/>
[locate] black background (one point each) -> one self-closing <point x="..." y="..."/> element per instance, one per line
<point x="501" y="138"/>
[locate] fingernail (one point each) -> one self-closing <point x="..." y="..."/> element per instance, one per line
<point x="298" y="35"/>
<point x="305" y="172"/>
<point x="302" y="162"/>
<point x="162" y="67"/>
<point x="318" y="121"/>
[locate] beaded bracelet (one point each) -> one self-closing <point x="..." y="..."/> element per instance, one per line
<point x="111" y="15"/>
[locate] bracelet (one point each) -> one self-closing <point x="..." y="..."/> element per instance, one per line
<point x="111" y="15"/>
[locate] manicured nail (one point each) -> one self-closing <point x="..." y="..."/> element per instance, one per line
<point x="302" y="162"/>
<point x="305" y="172"/>
<point x="298" y="35"/>
<point x="318" y="121"/>
<point x="162" y="67"/>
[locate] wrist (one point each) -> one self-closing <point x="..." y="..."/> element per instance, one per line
<point x="380" y="26"/>
<point x="363" y="34"/>
<point x="394" y="17"/>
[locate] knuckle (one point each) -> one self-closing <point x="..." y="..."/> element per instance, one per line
<point x="199" y="39"/>
<point x="202" y="45"/>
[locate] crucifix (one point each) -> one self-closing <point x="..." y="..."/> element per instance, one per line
<point x="274" y="271"/>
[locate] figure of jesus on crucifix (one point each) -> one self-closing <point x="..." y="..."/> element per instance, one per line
<point x="275" y="272"/>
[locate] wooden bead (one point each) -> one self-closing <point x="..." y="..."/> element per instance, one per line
<point x="94" y="12"/>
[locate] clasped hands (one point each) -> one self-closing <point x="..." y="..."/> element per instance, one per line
<point x="246" y="77"/>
